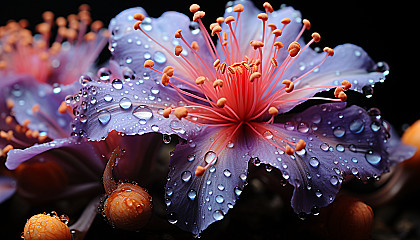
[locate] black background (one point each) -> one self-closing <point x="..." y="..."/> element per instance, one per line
<point x="386" y="30"/>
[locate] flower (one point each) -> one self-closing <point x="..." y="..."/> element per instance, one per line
<point x="229" y="102"/>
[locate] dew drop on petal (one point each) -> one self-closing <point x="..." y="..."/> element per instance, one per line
<point x="143" y="112"/>
<point x="375" y="126"/>
<point x="172" y="218"/>
<point x="314" y="162"/>
<point x="334" y="180"/>
<point x="117" y="84"/>
<point x="166" y="138"/>
<point x="209" y="157"/>
<point x="155" y="128"/>
<point x="159" y="57"/>
<point x="104" y="116"/>
<point x="268" y="135"/>
<point x="192" y="194"/>
<point x="340" y="148"/>
<point x="303" y="127"/>
<point x="357" y="126"/>
<point x="237" y="191"/>
<point x="125" y="103"/>
<point x="373" y="157"/>
<point x="354" y="171"/>
<point x="218" y="215"/>
<point x="108" y="98"/>
<point x="186" y="176"/>
<point x="325" y="147"/>
<point x="339" y="132"/>
<point x="230" y="144"/>
<point x="219" y="199"/>
<point x="227" y="173"/>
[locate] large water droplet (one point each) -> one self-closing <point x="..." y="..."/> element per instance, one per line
<point x="303" y="127"/>
<point x="219" y="199"/>
<point x="186" y="176"/>
<point x="125" y="103"/>
<point x="373" y="157"/>
<point x="108" y="98"/>
<point x="339" y="131"/>
<point x="84" y="80"/>
<point x="143" y="112"/>
<point x="192" y="194"/>
<point x="314" y="162"/>
<point x="268" y="135"/>
<point x="172" y="218"/>
<point x="375" y="126"/>
<point x="104" y="74"/>
<point x="367" y="91"/>
<point x="334" y="180"/>
<point x="227" y="173"/>
<point x="210" y="157"/>
<point x="117" y="84"/>
<point x="218" y="215"/>
<point x="104" y="116"/>
<point x="159" y="57"/>
<point x="325" y="147"/>
<point x="357" y="126"/>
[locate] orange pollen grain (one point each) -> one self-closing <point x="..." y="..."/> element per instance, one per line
<point x="221" y="102"/>
<point x="194" y="8"/>
<point x="180" y="112"/>
<point x="149" y="63"/>
<point x="289" y="150"/>
<point x="166" y="112"/>
<point x="238" y="8"/>
<point x="199" y="171"/>
<point x="300" y="145"/>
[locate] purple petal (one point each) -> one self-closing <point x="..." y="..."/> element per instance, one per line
<point x="340" y="142"/>
<point x="195" y="202"/>
<point x="128" y="106"/>
<point x="132" y="48"/>
<point x="7" y="188"/>
<point x="26" y="93"/>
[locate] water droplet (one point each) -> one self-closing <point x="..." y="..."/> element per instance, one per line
<point x="146" y="24"/>
<point x="286" y="175"/>
<point x="64" y="219"/>
<point x="159" y="57"/>
<point x="108" y="98"/>
<point x="192" y="194"/>
<point x="209" y="157"/>
<point x="315" y="210"/>
<point x="221" y="187"/>
<point x="354" y="171"/>
<point x="104" y="116"/>
<point x="339" y="132"/>
<point x="314" y="162"/>
<point x="169" y="191"/>
<point x="318" y="193"/>
<point x="155" y="128"/>
<point x="166" y="138"/>
<point x="194" y="28"/>
<point x="334" y="180"/>
<point x="84" y="80"/>
<point x="143" y="112"/>
<point x="268" y="135"/>
<point x="237" y="191"/>
<point x="382" y="67"/>
<point x="373" y="157"/>
<point x="230" y="144"/>
<point x="325" y="147"/>
<point x="367" y="91"/>
<point x="289" y="126"/>
<point x="128" y="59"/>
<point x="227" y="173"/>
<point x="242" y="177"/>
<point x="357" y="126"/>
<point x="172" y="218"/>
<point x="147" y="55"/>
<point x="128" y="74"/>
<point x="218" y="215"/>
<point x="375" y="126"/>
<point x="117" y="84"/>
<point x="303" y="127"/>
<point x="316" y="118"/>
<point x="340" y="148"/>
<point x="125" y="103"/>
<point x="191" y="157"/>
<point x="186" y="176"/>
<point x="219" y="199"/>
<point x="168" y="202"/>
<point x="177" y="126"/>
<point x="104" y="74"/>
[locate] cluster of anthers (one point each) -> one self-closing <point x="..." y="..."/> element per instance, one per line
<point x="241" y="88"/>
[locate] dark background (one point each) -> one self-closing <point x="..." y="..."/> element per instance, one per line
<point x="386" y="30"/>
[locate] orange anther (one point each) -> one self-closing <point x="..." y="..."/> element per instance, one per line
<point x="254" y="76"/>
<point x="256" y="44"/>
<point x="277" y="32"/>
<point x="199" y="171"/>
<point x="329" y="51"/>
<point x="194" y="45"/>
<point x="180" y="112"/>
<point x="138" y="16"/>
<point x="198" y="15"/>
<point x="36" y="108"/>
<point x="8" y="119"/>
<point x="307" y="24"/>
<point x="263" y="16"/>
<point x="221" y="102"/>
<point x="178" y="33"/>
<point x="213" y="25"/>
<point x="26" y="123"/>
<point x="274" y="62"/>
<point x="342" y="96"/>
<point x="268" y="7"/>
<point x="346" y="84"/>
<point x="215" y="30"/>
<point x="294" y="49"/>
<point x="289" y="85"/>
<point x="337" y="91"/>
<point x="63" y="108"/>
<point x="216" y="63"/>
<point x="225" y="36"/>
<point x="166" y="112"/>
<point x="149" y="63"/>
<point x="289" y="150"/>
<point x="165" y="79"/>
<point x="223" y="68"/>
<point x="229" y="19"/>
<point x="219" y="20"/>
<point x="10" y="103"/>
<point x="278" y="45"/>
<point x="218" y="82"/>
<point x="273" y="111"/>
<point x="42" y="138"/>
<point x="272" y="26"/>
<point x="194" y="8"/>
<point x="300" y="145"/>
<point x="285" y="21"/>
<point x="169" y="70"/>
<point x="137" y="25"/>
<point x="231" y="70"/>
<point x="200" y="80"/>
<point x="178" y="50"/>
<point x="316" y="37"/>
<point x="238" y="8"/>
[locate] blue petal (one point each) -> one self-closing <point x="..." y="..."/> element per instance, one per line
<point x="194" y="202"/>
<point x="340" y="142"/>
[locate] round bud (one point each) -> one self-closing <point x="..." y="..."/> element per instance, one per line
<point x="46" y="227"/>
<point x="129" y="207"/>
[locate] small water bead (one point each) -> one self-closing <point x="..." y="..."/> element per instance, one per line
<point x="104" y="74"/>
<point x="125" y="103"/>
<point x="375" y="126"/>
<point x="373" y="158"/>
<point x="219" y="199"/>
<point x="221" y="187"/>
<point x="314" y="162"/>
<point x="227" y="173"/>
<point x="367" y="91"/>
<point x="230" y="144"/>
<point x="286" y="175"/>
<point x="83" y="80"/>
<point x="147" y="55"/>
<point x="303" y="127"/>
<point x="155" y="128"/>
<point x="340" y="148"/>
<point x="191" y="157"/>
<point x="382" y="67"/>
<point x="209" y="157"/>
<point x="117" y="84"/>
<point x="172" y="218"/>
<point x="186" y="176"/>
<point x="108" y="98"/>
<point x="104" y="116"/>
<point x="268" y="135"/>
<point x="128" y="74"/>
<point x="159" y="57"/>
<point x="316" y="118"/>
<point x="357" y="126"/>
<point x="177" y="126"/>
<point x="146" y="24"/>
<point x="237" y="191"/>
<point x="242" y="177"/>
<point x="168" y="202"/>
<point x="143" y="112"/>
<point x="354" y="171"/>
<point x="325" y="147"/>
<point x="318" y="193"/>
<point x="334" y="180"/>
<point x="192" y="194"/>
<point x="218" y="215"/>
<point x="128" y="60"/>
<point x="194" y="28"/>
<point x="289" y="126"/>
<point x="339" y="131"/>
